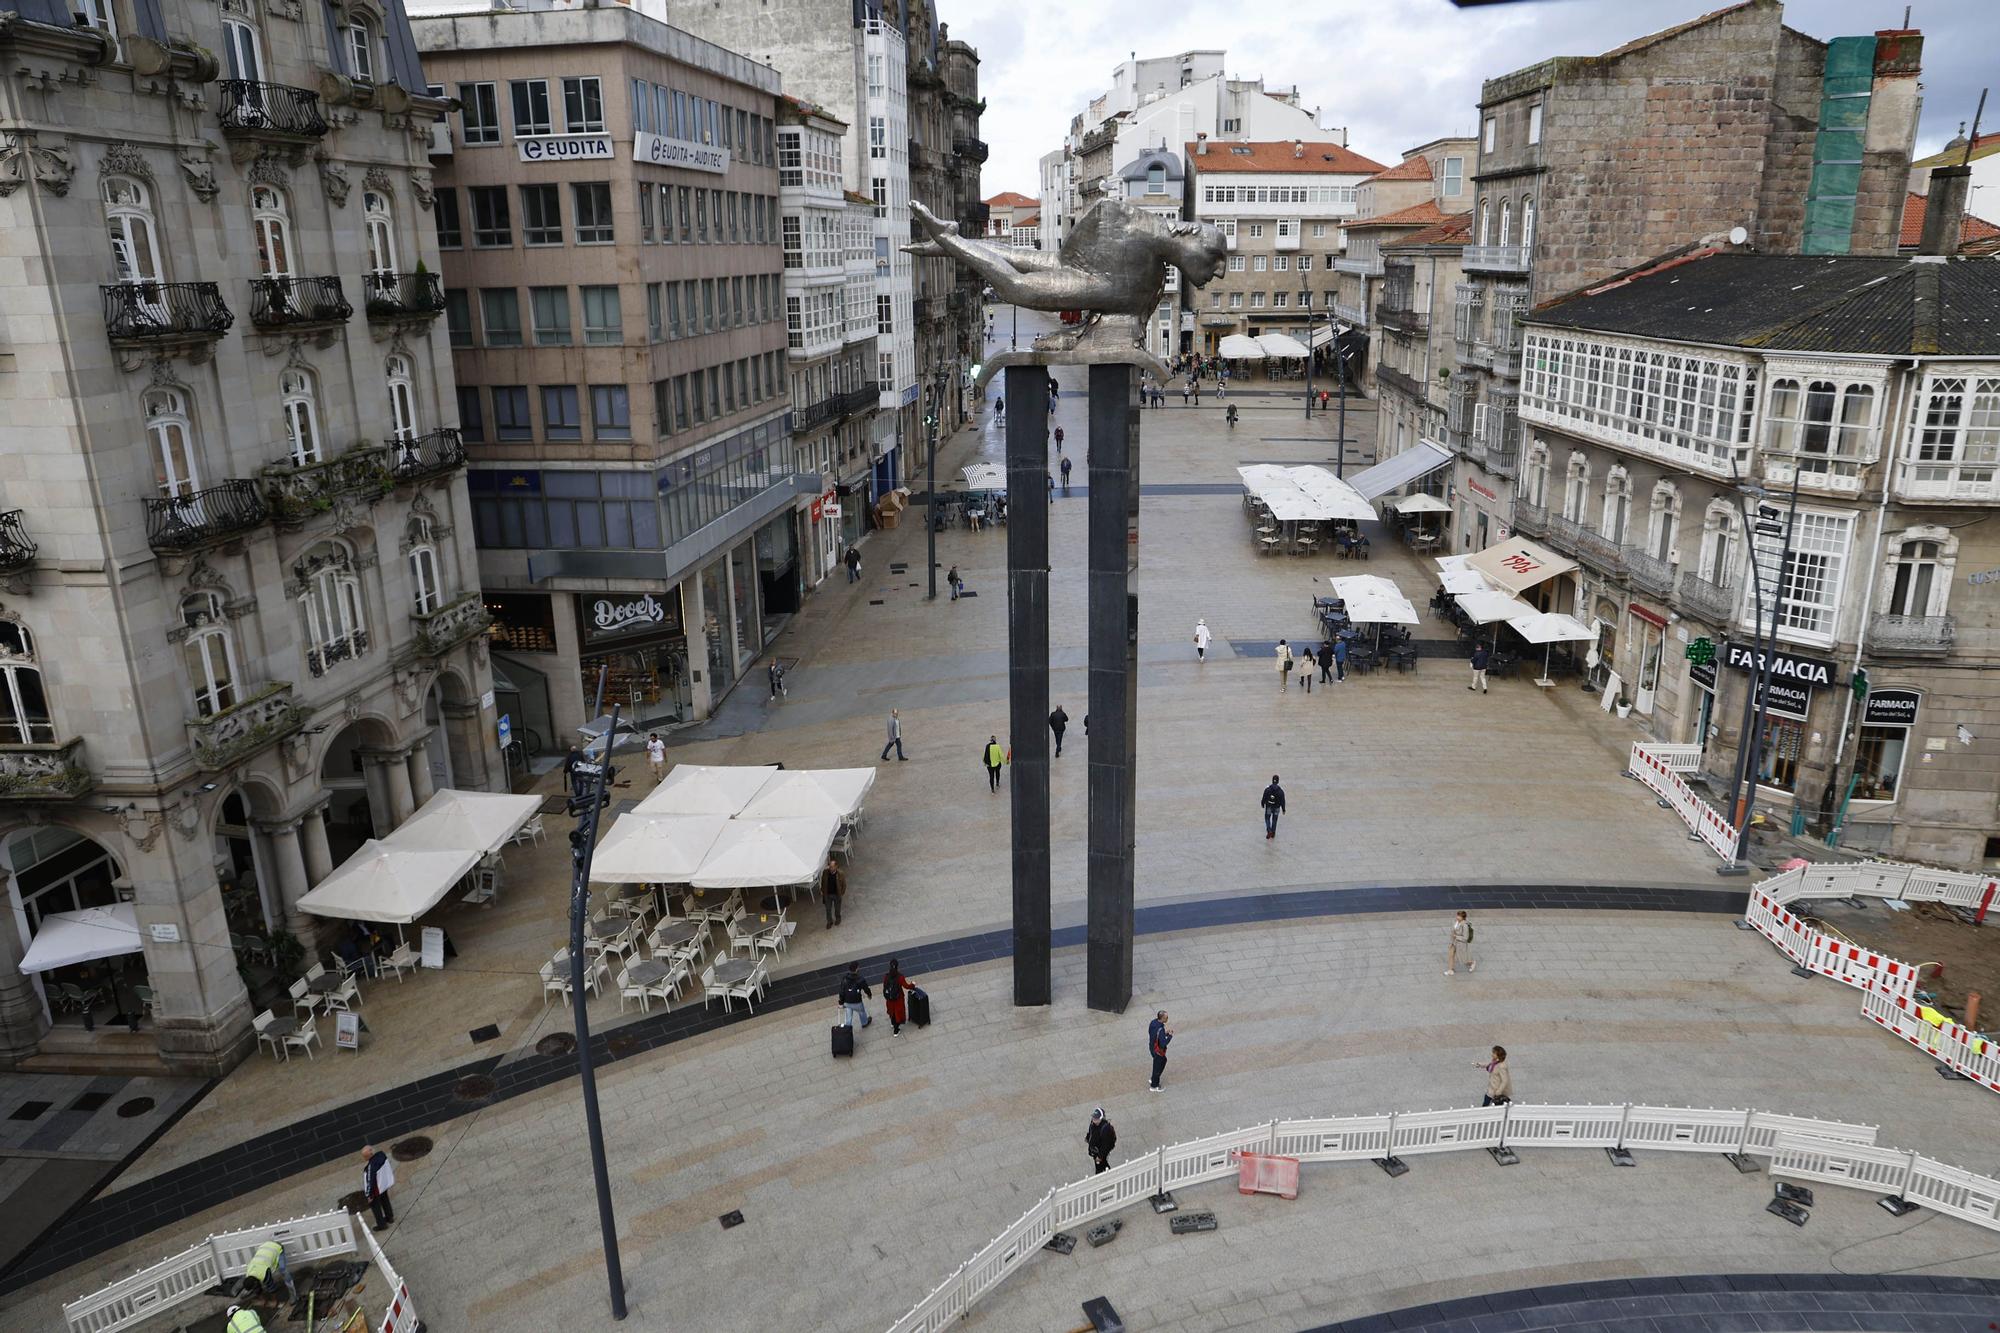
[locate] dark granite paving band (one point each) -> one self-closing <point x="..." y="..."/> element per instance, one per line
<point x="1731" y="1303"/>
<point x="104" y="1223"/>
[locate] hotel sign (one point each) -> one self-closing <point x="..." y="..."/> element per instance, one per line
<point x="659" y="151"/>
<point x="567" y="148"/>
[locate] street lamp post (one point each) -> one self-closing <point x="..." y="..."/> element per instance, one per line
<point x="1743" y="797"/>
<point x="936" y="397"/>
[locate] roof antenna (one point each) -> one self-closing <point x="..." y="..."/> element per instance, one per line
<point x="1906" y="18"/>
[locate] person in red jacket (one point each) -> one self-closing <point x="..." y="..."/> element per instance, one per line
<point x="895" y="997"/>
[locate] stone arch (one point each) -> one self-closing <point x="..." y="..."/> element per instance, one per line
<point x="51" y="867"/>
<point x="351" y="766"/>
<point x="243" y="865"/>
<point x="453" y="707"/>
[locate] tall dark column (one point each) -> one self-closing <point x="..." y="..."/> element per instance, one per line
<point x="1027" y="392"/>
<point x="1114" y="681"/>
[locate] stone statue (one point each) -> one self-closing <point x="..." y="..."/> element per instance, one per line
<point x="1111" y="266"/>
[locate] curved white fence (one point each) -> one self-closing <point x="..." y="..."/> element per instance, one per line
<point x="1889" y="983"/>
<point x="138" y="1298"/>
<point x="1823" y="1150"/>
<point x="1659" y="768"/>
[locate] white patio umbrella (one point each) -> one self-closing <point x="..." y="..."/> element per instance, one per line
<point x="767" y="853"/>
<point x="473" y="821"/>
<point x="64" y="938"/>
<point x="1282" y="344"/>
<point x="384" y="883"/>
<point x="1457" y="582"/>
<point x="699" y="789"/>
<point x="984" y="477"/>
<point x="655" y="849"/>
<point x="1550" y="628"/>
<point x="1486" y="605"/>
<point x="1374" y="600"/>
<point x="1419" y="504"/>
<point x="1448" y="563"/>
<point x="1241" y="347"/>
<point x="811" y="791"/>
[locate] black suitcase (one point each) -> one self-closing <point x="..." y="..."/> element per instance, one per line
<point x="843" y="1039"/>
<point x="920" y="1008"/>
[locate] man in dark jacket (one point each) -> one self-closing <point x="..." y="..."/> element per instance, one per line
<point x="378" y="1177"/>
<point x="1340" y="659"/>
<point x="1058" y="723"/>
<point x="1158" y="1034"/>
<point x="1482" y="657"/>
<point x="1273" y="802"/>
<point x="1326" y="661"/>
<point x="1100" y="1138"/>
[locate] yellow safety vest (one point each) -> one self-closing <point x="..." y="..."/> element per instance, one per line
<point x="263" y="1260"/>
<point x="244" y="1321"/>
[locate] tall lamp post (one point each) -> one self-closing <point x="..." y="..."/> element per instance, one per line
<point x="1340" y="368"/>
<point x="1764" y="640"/>
<point x="934" y="400"/>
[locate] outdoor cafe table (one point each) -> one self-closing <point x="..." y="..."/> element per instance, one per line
<point x="326" y="983"/>
<point x="730" y="971"/>
<point x="678" y="932"/>
<point x="610" y="927"/>
<point x="650" y="972"/>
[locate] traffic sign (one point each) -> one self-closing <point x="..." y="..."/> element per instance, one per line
<point x="506" y="729"/>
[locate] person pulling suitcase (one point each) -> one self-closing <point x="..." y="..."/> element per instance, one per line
<point x="852" y="998"/>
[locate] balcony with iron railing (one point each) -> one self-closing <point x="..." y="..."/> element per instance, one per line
<point x="44" y="771"/>
<point x="418" y="295"/>
<point x="1350" y="314"/>
<point x="179" y="524"/>
<point x="326" y="656"/>
<point x="147" y="313"/>
<point x="1415" y="323"/>
<point x="1565" y="534"/>
<point x="1706" y="599"/>
<point x="280" y="303"/>
<point x="1403" y="382"/>
<point x="1648" y="573"/>
<point x="1599" y="551"/>
<point x="440" y="631"/>
<point x="857" y="400"/>
<point x="17" y="552"/>
<point x="432" y="454"/>
<point x="225" y="739"/>
<point x="1495" y="259"/>
<point x="270" y="112"/>
<point x="810" y="416"/>
<point x="1530" y="520"/>
<point x="295" y="491"/>
<point x="976" y="148"/>
<point x="1911" y="635"/>
<point x="1100" y="137"/>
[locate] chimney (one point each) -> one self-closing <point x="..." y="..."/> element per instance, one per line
<point x="1201" y="145"/>
<point x="1944" y="210"/>
<point x="1298" y="148"/>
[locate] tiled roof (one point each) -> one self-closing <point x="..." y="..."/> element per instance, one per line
<point x="1864" y="305"/>
<point x="1008" y="199"/>
<point x="1454" y="230"/>
<point x="856" y="197"/>
<point x="1032" y="220"/>
<point x="1914" y="207"/>
<point x="1409" y="169"/>
<point x="1277" y="157"/>
<point x="1982" y="146"/>
<point x="1426" y="214"/>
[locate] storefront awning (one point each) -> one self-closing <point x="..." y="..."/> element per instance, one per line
<point x="1518" y="564"/>
<point x="1241" y="347"/>
<point x="1282" y="344"/>
<point x="64" y="938"/>
<point x="1393" y="474"/>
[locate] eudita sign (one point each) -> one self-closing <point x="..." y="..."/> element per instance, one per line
<point x="567" y="148"/>
<point x="1788" y="667"/>
<point x="659" y="151"/>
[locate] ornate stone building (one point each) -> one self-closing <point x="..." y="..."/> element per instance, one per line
<point x="241" y="628"/>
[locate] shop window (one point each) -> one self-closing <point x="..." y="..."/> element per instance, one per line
<point x="1878" y="763"/>
<point x="1778" y="753"/>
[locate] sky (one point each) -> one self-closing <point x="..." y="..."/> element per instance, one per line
<point x="1395" y="73"/>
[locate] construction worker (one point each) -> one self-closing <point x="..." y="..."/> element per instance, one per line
<point x="243" y="1320"/>
<point x="266" y="1271"/>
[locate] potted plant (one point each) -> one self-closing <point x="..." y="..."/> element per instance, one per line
<point x="1624" y="706"/>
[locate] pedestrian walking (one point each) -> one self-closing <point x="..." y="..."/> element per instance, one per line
<point x="1000" y="408"/>
<point x="1059" y="439"/>
<point x="954" y="582"/>
<point x="1326" y="661"/>
<point x="776" y="671"/>
<point x="1058" y="723"/>
<point x="1065" y="472"/>
<point x="895" y="736"/>
<point x="1050" y="479"/>
<point x="1460" y="946"/>
<point x="1055" y="389"/>
<point x="656" y="756"/>
<point x="1197" y="391"/>
<point x="1100" y="1139"/>
<point x="570" y="761"/>
<point x="1273" y="803"/>
<point x="853" y="565"/>
<point x="833" y="888"/>
<point x="1201" y="637"/>
<point x="895" y="988"/>
<point x="1482" y="657"/>
<point x="854" y="995"/>
<point x="1184" y="395"/>
<point x="1158" y="1034"/>
<point x="994" y="756"/>
<point x="378" y="1177"/>
<point x="1222" y="387"/>
<point x="1499" y="1082"/>
<point x="1284" y="665"/>
<point x="1339" y="660"/>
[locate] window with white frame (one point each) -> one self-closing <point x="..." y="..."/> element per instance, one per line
<point x="330" y="601"/>
<point x="1814" y="573"/>
<point x="1256" y="300"/>
<point x="1663" y="530"/>
<point x="171" y="432"/>
<point x="1919" y="574"/>
<point x="1482" y="222"/>
<point x="1486" y="143"/>
<point x="1259" y="264"/>
<point x="1827" y="425"/>
<point x="591" y="202"/>
<point x="1576" y="488"/>
<point x="402" y="399"/>
<point x="1721" y="540"/>
<point x="878" y="137"/>
<point x="1956" y="438"/>
<point x="270" y="218"/>
<point x="361" y="50"/>
<point x="98" y="14"/>
<point x="24" y="707"/>
<point x="209" y="654"/>
<point x="1506" y="223"/>
<point x="128" y="221"/>
<point x="583" y="105"/>
<point x="1535" y="123"/>
<point x="478" y="113"/>
<point x="1256" y="230"/>
<point x="1535" y="475"/>
<point x="1527" y="221"/>
<point x="1688" y="408"/>
<point x="426" y="590"/>
<point x="532" y="117"/>
<point x="379" y="225"/>
<point x="300" y="404"/>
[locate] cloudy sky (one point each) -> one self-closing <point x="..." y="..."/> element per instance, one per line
<point x="1394" y="72"/>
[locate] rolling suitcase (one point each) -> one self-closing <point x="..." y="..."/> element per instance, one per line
<point x="843" y="1039"/>
<point x="920" y="1007"/>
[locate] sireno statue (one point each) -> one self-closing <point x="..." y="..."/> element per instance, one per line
<point x="1112" y="265"/>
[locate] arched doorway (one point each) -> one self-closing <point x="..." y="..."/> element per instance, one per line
<point x="464" y="751"/>
<point x="56" y="871"/>
<point x="360" y="802"/>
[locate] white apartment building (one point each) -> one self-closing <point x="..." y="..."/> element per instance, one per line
<point x="1055" y="197"/>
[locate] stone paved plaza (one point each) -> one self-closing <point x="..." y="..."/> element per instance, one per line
<point x="864" y="1183"/>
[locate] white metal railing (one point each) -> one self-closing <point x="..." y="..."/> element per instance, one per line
<point x="1659" y="769"/>
<point x="1495" y="258"/>
<point x="139" y="1297"/>
<point x="1833" y="1151"/>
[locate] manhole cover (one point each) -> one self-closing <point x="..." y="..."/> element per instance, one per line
<point x="356" y="1203"/>
<point x="556" y="1043"/>
<point x="136" y="1107"/>
<point x="474" y="1088"/>
<point x="620" y="1047"/>
<point x="410" y="1149"/>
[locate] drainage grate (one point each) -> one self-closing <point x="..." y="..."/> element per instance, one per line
<point x="490" y="1032"/>
<point x="138" y="1106"/>
<point x="412" y="1148"/>
<point x="473" y="1088"/>
<point x="30" y="1110"/>
<point x="876" y="601"/>
<point x="556" y="1043"/>
<point x="732" y="1218"/>
<point x="90" y="1101"/>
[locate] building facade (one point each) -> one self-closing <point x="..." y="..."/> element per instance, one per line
<point x="611" y="229"/>
<point x="1871" y="385"/>
<point x="1416" y="372"/>
<point x="1585" y="170"/>
<point x="1283" y="207"/>
<point x="242" y="629"/>
<point x="1424" y="190"/>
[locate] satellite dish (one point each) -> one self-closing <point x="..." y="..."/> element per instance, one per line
<point x="1738" y="236"/>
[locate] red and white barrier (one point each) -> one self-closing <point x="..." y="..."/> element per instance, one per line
<point x="1953" y="1045"/>
<point x="1659" y="768"/>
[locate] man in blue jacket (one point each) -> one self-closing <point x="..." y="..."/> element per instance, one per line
<point x="1158" y="1034"/>
<point x="1273" y="802"/>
